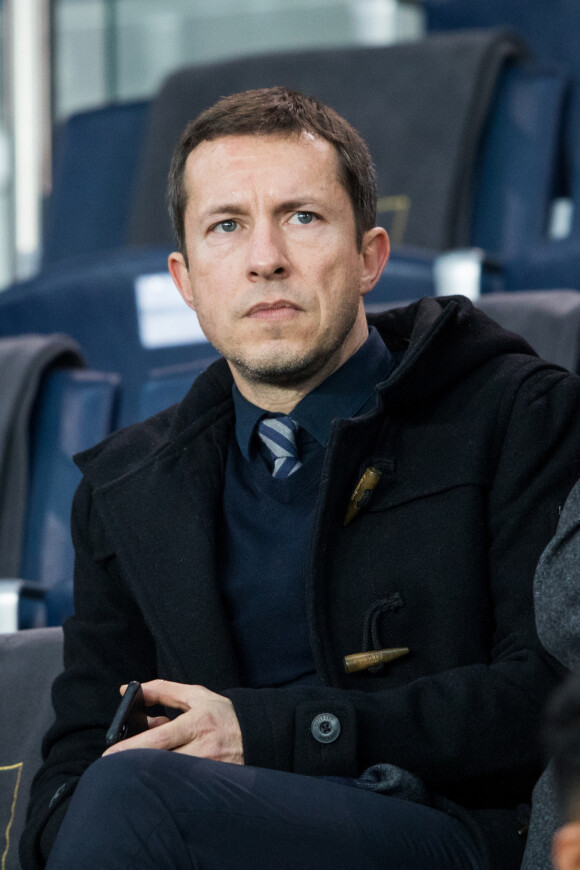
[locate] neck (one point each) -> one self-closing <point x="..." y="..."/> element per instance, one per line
<point x="278" y="400"/>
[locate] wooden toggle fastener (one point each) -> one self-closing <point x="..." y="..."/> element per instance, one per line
<point x="363" y="660"/>
<point x="362" y="493"/>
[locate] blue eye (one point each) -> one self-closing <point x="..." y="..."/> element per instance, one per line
<point x="303" y="218"/>
<point x="228" y="226"/>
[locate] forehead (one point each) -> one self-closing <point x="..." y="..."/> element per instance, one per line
<point x="278" y="165"/>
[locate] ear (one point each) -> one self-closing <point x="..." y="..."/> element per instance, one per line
<point x="566" y="847"/>
<point x="375" y="251"/>
<point x="180" y="274"/>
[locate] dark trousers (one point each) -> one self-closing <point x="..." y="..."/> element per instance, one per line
<point x="152" y="810"/>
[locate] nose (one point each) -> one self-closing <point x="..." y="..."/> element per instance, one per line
<point x="267" y="255"/>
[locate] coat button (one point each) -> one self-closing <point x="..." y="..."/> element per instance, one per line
<point x="325" y="728"/>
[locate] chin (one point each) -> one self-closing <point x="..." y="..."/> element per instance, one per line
<point x="286" y="370"/>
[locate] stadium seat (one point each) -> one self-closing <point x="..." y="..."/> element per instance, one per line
<point x="167" y="386"/>
<point x="463" y="158"/>
<point x="478" y="172"/>
<point x="94" y="173"/>
<point x="557" y="263"/>
<point x="549" y="320"/>
<point x="513" y="186"/>
<point x="514" y="180"/>
<point x="73" y="410"/>
<point x="123" y="310"/>
<point x="421" y="107"/>
<point x="29" y="663"/>
<point x="551" y="31"/>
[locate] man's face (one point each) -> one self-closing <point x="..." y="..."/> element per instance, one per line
<point x="274" y="272"/>
<point x="566" y="847"/>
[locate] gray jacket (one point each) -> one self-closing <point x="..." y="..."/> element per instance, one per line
<point x="557" y="602"/>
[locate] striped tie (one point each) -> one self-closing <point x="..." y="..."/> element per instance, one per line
<point x="278" y="435"/>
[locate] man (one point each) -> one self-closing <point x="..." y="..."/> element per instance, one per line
<point x="556" y="591"/>
<point x="320" y="562"/>
<point x="563" y="737"/>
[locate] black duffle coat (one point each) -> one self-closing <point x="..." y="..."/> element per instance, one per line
<point x="478" y="444"/>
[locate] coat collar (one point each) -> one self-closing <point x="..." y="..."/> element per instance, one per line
<point x="438" y="341"/>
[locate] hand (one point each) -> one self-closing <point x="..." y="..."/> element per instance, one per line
<point x="208" y="726"/>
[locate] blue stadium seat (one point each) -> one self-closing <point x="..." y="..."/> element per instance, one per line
<point x="123" y="310"/>
<point x="408" y="275"/>
<point x="549" y="320"/>
<point x="129" y="321"/>
<point x="514" y="181"/>
<point x="421" y="107"/>
<point x="557" y="263"/>
<point x="94" y="172"/>
<point x="111" y="163"/>
<point x="515" y="177"/>
<point x="73" y="409"/>
<point x="167" y="386"/>
<point x="551" y="30"/>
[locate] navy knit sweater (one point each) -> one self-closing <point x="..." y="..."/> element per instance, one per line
<point x="266" y="521"/>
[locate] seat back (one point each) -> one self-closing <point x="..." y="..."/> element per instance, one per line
<point x="94" y="171"/>
<point x="408" y="275"/>
<point x="123" y="310"/>
<point x="515" y="176"/>
<point x="549" y="320"/>
<point x="29" y="662"/>
<point x="420" y="106"/>
<point x="550" y="29"/>
<point x="167" y="386"/>
<point x="73" y="411"/>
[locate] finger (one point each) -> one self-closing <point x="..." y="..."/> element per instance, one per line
<point x="156" y="721"/>
<point x="177" y="695"/>
<point x="133" y="742"/>
<point x="167" y="735"/>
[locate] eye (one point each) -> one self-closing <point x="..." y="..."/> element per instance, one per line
<point x="303" y="218"/>
<point x="227" y="226"/>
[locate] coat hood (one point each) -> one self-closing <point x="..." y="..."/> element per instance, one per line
<point x="439" y="341"/>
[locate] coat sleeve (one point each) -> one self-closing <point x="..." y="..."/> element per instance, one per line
<point x="469" y="730"/>
<point x="557" y="587"/>
<point x="106" y="643"/>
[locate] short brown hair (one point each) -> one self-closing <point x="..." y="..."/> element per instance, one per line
<point x="278" y="111"/>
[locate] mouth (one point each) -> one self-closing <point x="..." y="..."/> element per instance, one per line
<point x="277" y="310"/>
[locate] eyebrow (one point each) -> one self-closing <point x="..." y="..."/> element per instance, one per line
<point x="296" y="204"/>
<point x="227" y="208"/>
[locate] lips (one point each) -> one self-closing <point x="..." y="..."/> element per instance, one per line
<point x="269" y="308"/>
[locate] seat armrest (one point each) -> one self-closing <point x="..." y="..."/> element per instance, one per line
<point x="20" y="599"/>
<point x="467" y="271"/>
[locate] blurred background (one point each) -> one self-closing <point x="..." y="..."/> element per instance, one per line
<point x="471" y="111"/>
<point x="60" y="57"/>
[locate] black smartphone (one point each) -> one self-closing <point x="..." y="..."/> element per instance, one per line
<point x="131" y="715"/>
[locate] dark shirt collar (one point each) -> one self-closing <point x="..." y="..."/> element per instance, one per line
<point x="343" y="394"/>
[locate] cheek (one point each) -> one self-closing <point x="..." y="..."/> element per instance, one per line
<point x="207" y="283"/>
<point x="339" y="284"/>
<point x="214" y="301"/>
